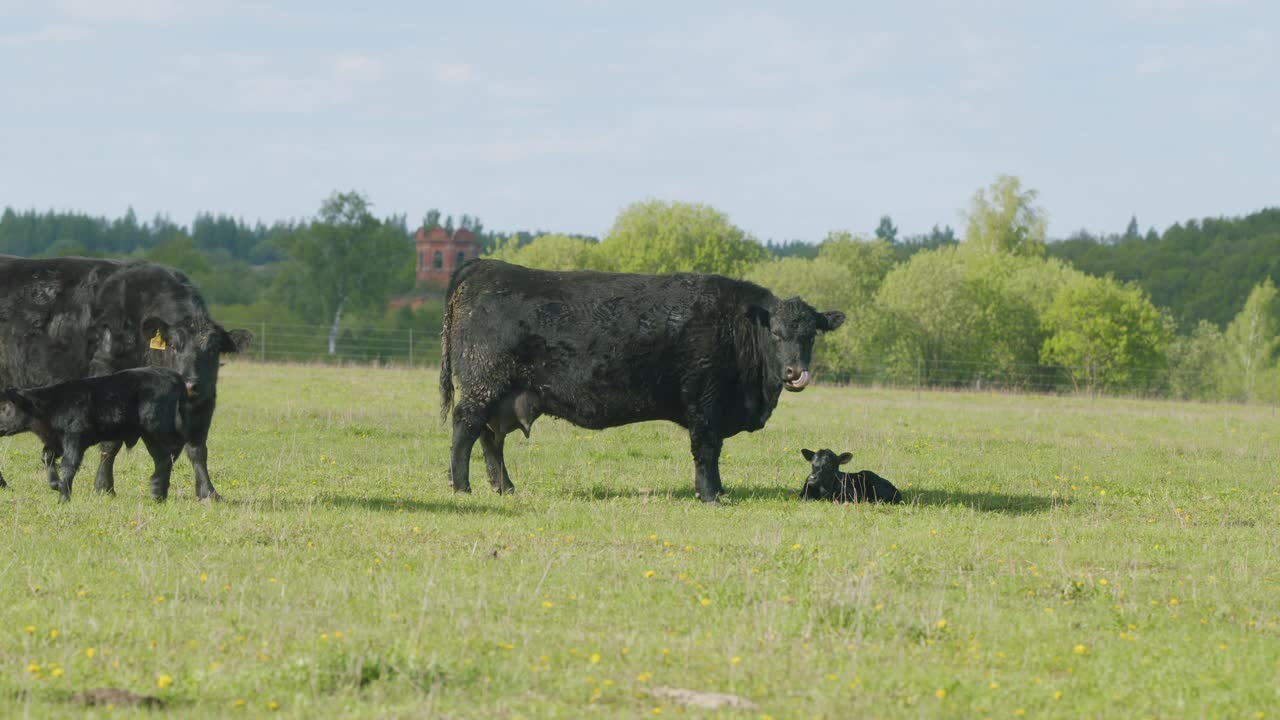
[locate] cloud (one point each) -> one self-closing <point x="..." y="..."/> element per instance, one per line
<point x="48" y="35"/>
<point x="1152" y="66"/>
<point x="454" y="73"/>
<point x="506" y="151"/>
<point x="146" y="11"/>
<point x="355" y="67"/>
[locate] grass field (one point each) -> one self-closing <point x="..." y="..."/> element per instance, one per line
<point x="1057" y="557"/>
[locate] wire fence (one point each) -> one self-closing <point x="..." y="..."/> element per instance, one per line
<point x="418" y="348"/>
<point x="310" y="343"/>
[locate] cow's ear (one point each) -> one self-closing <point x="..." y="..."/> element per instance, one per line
<point x="235" y="341"/>
<point x="830" y="320"/>
<point x="844" y="458"/>
<point x="758" y="315"/>
<point x="156" y="333"/>
<point x="808" y="454"/>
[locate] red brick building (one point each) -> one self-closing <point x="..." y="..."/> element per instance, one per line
<point x="439" y="254"/>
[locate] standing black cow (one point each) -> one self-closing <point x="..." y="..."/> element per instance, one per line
<point x="69" y="417"/>
<point x="605" y="349"/>
<point x="68" y="318"/>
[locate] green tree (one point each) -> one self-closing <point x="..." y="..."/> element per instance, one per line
<point x="1131" y="231"/>
<point x="866" y="261"/>
<point x="957" y="315"/>
<point x="1004" y="218"/>
<point x="886" y="230"/>
<point x="1105" y="334"/>
<point x="344" y="260"/>
<point x="1195" y="361"/>
<point x="549" y="252"/>
<point x="1251" y="342"/>
<point x="655" y="236"/>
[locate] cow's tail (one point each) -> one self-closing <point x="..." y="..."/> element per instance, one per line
<point x="446" y="331"/>
<point x="446" y="366"/>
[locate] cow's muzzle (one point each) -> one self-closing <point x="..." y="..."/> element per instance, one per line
<point x="794" y="380"/>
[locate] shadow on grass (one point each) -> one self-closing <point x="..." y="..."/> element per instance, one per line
<point x="461" y="505"/>
<point x="733" y="493"/>
<point x="984" y="501"/>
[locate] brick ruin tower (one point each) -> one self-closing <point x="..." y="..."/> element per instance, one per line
<point x="439" y="254"/>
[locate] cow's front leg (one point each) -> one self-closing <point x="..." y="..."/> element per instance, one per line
<point x="162" y="457"/>
<point x="105" y="480"/>
<point x="492" y="443"/>
<point x="49" y="457"/>
<point x="71" y="456"/>
<point x="468" y="424"/>
<point x="3" y="484"/>
<point x="705" y="445"/>
<point x="199" y="457"/>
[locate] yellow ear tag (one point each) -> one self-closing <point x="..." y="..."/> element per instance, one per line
<point x="157" y="342"/>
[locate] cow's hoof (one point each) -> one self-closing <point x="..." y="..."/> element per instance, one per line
<point x="212" y="497"/>
<point x="463" y="489"/>
<point x="109" y="492"/>
<point x="64" y="498"/>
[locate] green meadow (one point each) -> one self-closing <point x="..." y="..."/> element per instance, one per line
<point x="1056" y="557"/>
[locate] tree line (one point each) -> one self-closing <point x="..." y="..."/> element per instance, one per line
<point x="1189" y="313"/>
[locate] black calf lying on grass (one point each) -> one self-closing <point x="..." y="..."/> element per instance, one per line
<point x="69" y="417"/>
<point x="826" y="482"/>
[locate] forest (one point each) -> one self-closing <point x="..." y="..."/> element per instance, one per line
<point x="1190" y="312"/>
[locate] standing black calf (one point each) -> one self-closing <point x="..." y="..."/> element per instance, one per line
<point x="69" y="417"/>
<point x="826" y="482"/>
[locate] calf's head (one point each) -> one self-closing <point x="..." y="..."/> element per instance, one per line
<point x="823" y="481"/>
<point x="793" y="326"/>
<point x="15" y="413"/>
<point x="193" y="348"/>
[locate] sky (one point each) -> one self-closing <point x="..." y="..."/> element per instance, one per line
<point x="793" y="118"/>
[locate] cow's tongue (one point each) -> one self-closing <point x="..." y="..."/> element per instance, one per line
<point x="799" y="383"/>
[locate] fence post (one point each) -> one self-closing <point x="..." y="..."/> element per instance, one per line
<point x="262" y="344"/>
<point x="410" y="347"/>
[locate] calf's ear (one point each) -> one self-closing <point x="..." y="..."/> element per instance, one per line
<point x="844" y="458"/>
<point x="234" y="341"/>
<point x="808" y="454"/>
<point x="830" y="320"/>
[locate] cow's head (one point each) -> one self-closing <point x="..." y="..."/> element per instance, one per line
<point x="193" y="348"/>
<point x="793" y="326"/>
<point x="15" y="413"/>
<point x="824" y="469"/>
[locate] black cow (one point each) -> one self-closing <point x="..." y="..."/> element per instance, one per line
<point x="68" y="318"/>
<point x="826" y="482"/>
<point x="605" y="349"/>
<point x="71" y="416"/>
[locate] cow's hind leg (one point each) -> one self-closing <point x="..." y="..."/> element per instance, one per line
<point x="105" y="480"/>
<point x="71" y="457"/>
<point x="491" y="443"/>
<point x="706" y="445"/>
<point x="468" y="424"/>
<point x="162" y="456"/>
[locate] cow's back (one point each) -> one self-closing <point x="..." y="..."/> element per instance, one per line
<point x="46" y="317"/>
